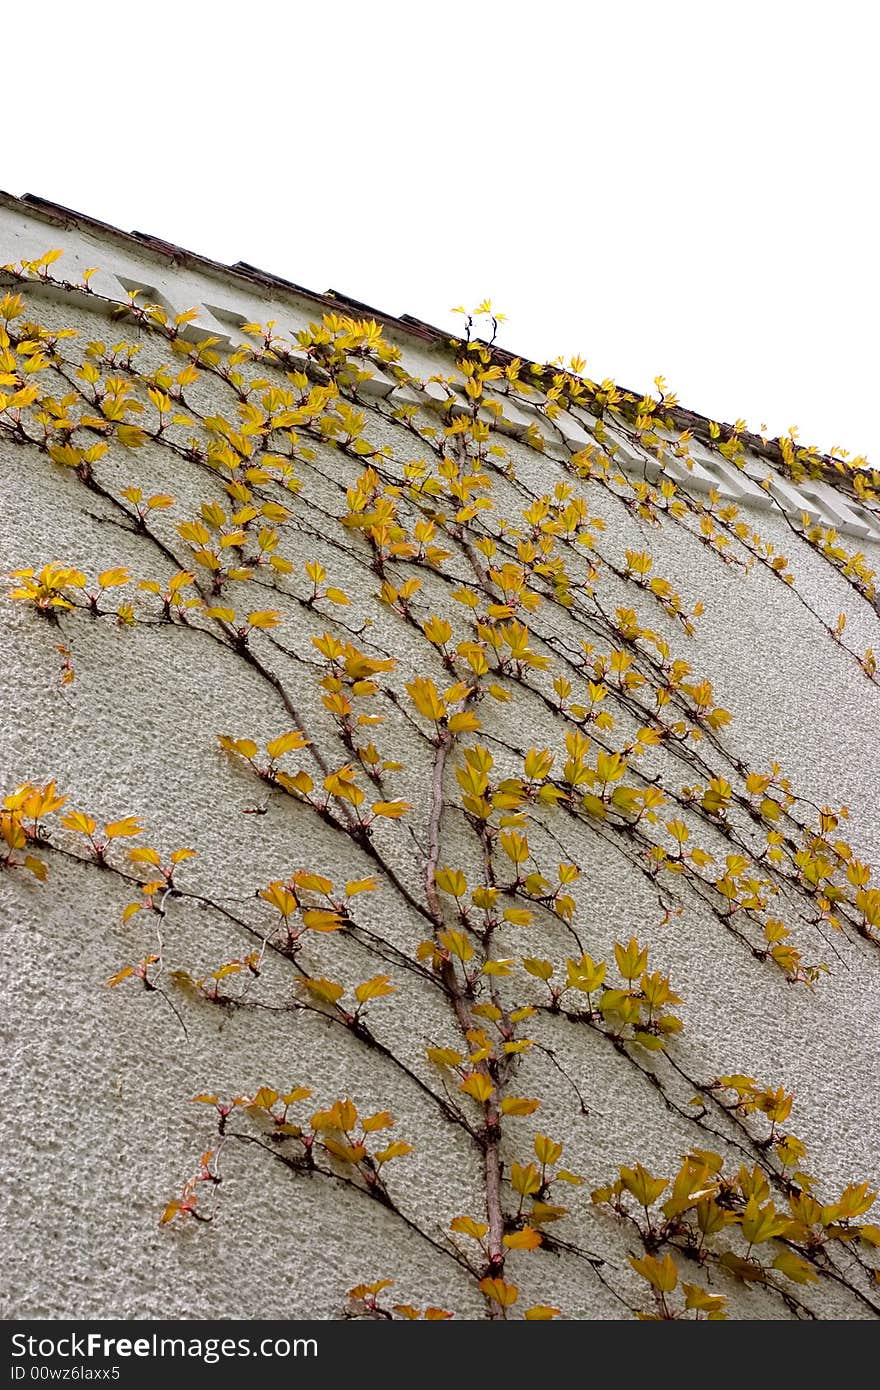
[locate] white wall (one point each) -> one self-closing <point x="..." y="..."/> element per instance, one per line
<point x="100" y="1131"/>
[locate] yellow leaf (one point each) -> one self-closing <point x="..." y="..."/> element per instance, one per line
<point x="280" y="898"/>
<point x="631" y="960"/>
<point x="499" y="1291"/>
<point x="265" y="1098"/>
<point x="131" y="436"/>
<point x="547" y="1150"/>
<point x="423" y="693"/>
<point x="660" y="1274"/>
<point x="374" y="988"/>
<point x="451" y="881"/>
<point x="467" y="597"/>
<point x="541" y="969"/>
<point x="645" y="1188"/>
<point x="748" y="1270"/>
<point x="526" y="1239"/>
<point x="519" y="1105"/>
<point x="360" y="885"/>
<point x="515" y="846"/>
<point x="179" y="855"/>
<point x="794" y="1268"/>
<point x="312" y="883"/>
<point x="398" y="1149"/>
<point x="437" y="630"/>
<point x="301" y="784"/>
<point x="145" y="854"/>
<point x="496" y="967"/>
<point x="593" y="805"/>
<point x="391" y="810"/>
<point x="286" y="743"/>
<point x="317" y="919"/>
<point x="610" y="767"/>
<point x="478" y="1085"/>
<point x="698" y="1298"/>
<point x="525" y="1178"/>
<point x="362" y="1290"/>
<point x="344" y="1114"/>
<point x="444" y="1056"/>
<point x="383" y="1119"/>
<point x="457" y="943"/>
<point x="110" y="579"/>
<point x="465" y="721"/>
<point x="245" y="747"/>
<point x="518" y="916"/>
<point x="762" y="1223"/>
<point x="467" y="1226"/>
<point x="855" y="1200"/>
<point x="586" y="974"/>
<point x="129" y="825"/>
<point x="298" y="1093"/>
<point x="328" y="990"/>
<point x="264" y="618"/>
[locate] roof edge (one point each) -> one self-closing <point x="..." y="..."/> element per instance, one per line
<point x="408" y="325"/>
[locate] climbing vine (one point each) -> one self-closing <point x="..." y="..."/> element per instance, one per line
<point x="513" y="612"/>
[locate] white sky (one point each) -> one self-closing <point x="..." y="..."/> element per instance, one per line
<point x="683" y="188"/>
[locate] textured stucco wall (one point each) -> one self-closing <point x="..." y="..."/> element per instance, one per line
<point x="96" y="1084"/>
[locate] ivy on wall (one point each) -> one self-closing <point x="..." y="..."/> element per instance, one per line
<point x="510" y="596"/>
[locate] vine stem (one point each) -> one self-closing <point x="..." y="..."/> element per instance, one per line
<point x="494" y="1212"/>
<point x="431" y="892"/>
<point x="492" y="1140"/>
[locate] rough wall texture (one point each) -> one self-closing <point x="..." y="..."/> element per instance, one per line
<point x="100" y="1127"/>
